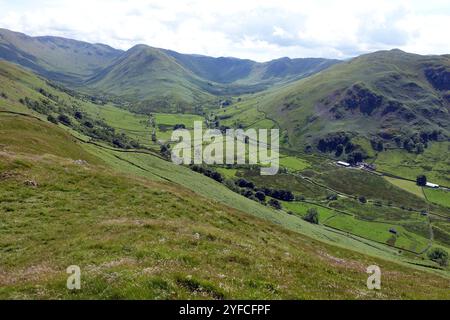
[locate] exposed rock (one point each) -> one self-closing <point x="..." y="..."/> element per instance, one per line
<point x="358" y="97"/>
<point x="81" y="162"/>
<point x="31" y="183"/>
<point x="439" y="77"/>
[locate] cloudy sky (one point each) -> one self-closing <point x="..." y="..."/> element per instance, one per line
<point x="254" y="29"/>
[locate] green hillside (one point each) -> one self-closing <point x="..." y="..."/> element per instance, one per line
<point x="98" y="194"/>
<point x="248" y="73"/>
<point x="158" y="239"/>
<point x="147" y="74"/>
<point x="151" y="79"/>
<point x="60" y="59"/>
<point x="383" y="96"/>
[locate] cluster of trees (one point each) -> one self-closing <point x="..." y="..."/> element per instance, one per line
<point x="279" y="194"/>
<point x="377" y="145"/>
<point x="335" y="142"/>
<point x="340" y="143"/>
<point x="439" y="256"/>
<point x="208" y="172"/>
<point x="284" y="195"/>
<point x="418" y="142"/>
<point x="312" y="216"/>
<point x="57" y="111"/>
<point x="43" y="107"/>
<point x="48" y="95"/>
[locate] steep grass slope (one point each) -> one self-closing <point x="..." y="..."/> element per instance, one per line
<point x="247" y="72"/>
<point x="16" y="84"/>
<point x="137" y="238"/>
<point x="145" y="73"/>
<point x="165" y="79"/>
<point x="382" y="95"/>
<point x="57" y="58"/>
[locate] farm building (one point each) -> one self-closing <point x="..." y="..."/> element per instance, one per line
<point x="393" y="231"/>
<point x="343" y="164"/>
<point x="432" y="185"/>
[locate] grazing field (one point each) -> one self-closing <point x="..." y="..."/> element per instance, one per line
<point x="407" y="185"/>
<point x="360" y="183"/>
<point x="294" y="163"/>
<point x="372" y="212"/>
<point x="441" y="197"/>
<point x="301" y="208"/>
<point x="434" y="163"/>
<point x="285" y="181"/>
<point x="379" y="231"/>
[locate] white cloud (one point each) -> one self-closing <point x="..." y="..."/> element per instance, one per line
<point x="256" y="29"/>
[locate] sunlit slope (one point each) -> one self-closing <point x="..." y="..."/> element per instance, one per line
<point x="145" y="73"/>
<point x="139" y="238"/>
<point x="60" y="59"/>
<point x="17" y="83"/>
<point x="384" y="95"/>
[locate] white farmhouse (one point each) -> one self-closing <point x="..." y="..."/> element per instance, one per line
<point x="343" y="164"/>
<point x="432" y="185"/>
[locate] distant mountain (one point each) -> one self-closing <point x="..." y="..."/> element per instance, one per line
<point x="154" y="77"/>
<point x="386" y="95"/>
<point x="231" y="70"/>
<point x="147" y="74"/>
<point x="60" y="59"/>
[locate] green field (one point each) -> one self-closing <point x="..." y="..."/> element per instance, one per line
<point x="441" y="197"/>
<point x="434" y="163"/>
<point x="378" y="231"/>
<point x="407" y="185"/>
<point x="301" y="208"/>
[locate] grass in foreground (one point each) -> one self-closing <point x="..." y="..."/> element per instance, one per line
<point x="135" y="239"/>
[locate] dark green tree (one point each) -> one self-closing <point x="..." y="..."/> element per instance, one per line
<point x="312" y="216"/>
<point x="421" y="180"/>
<point x="439" y="256"/>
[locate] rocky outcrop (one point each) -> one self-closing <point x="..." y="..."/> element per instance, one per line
<point x="439" y="77"/>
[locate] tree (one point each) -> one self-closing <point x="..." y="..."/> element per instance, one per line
<point x="421" y="180"/>
<point x="179" y="126"/>
<point x="420" y="148"/>
<point x="275" y="204"/>
<point x="78" y="115"/>
<point x="260" y="196"/>
<point x="439" y="256"/>
<point x="165" y="150"/>
<point x="52" y="119"/>
<point x="332" y="197"/>
<point x="216" y="176"/>
<point x="64" y="119"/>
<point x="339" y="150"/>
<point x="312" y="216"/>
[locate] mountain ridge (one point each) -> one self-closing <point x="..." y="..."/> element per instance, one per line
<point x="80" y="64"/>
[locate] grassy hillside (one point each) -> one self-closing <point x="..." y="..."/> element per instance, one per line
<point x="145" y="73"/>
<point x="250" y="73"/>
<point x="147" y="239"/>
<point x="151" y="78"/>
<point x="142" y="192"/>
<point x="59" y="59"/>
<point x="380" y="96"/>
